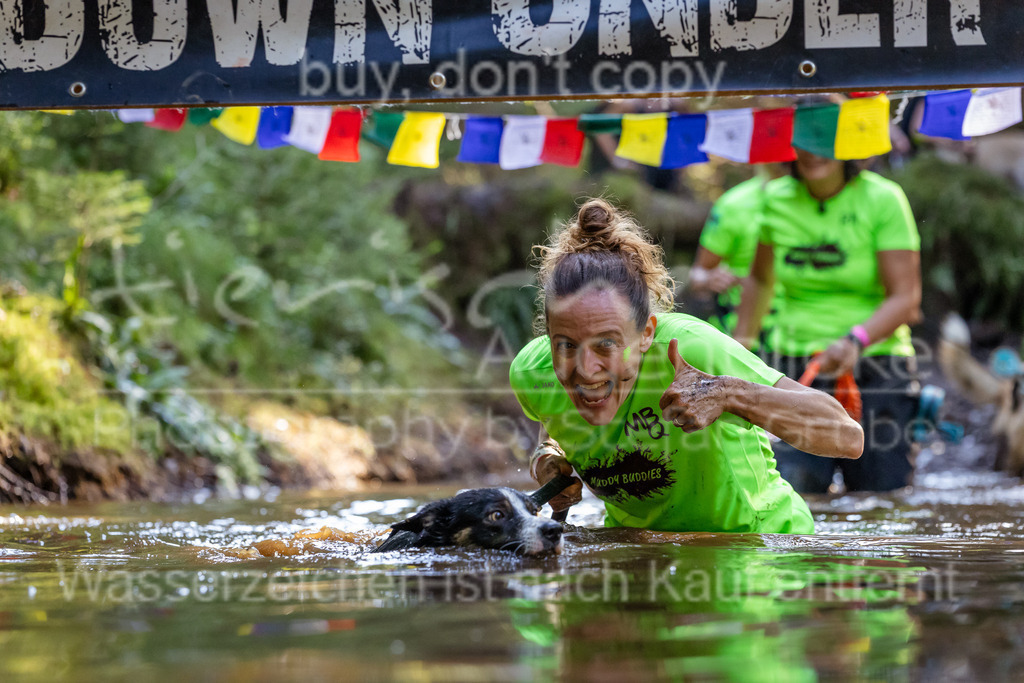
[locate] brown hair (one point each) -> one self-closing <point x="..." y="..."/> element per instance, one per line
<point x="605" y="246"/>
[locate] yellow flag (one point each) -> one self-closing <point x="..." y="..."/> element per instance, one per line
<point x="238" y="124"/>
<point x="62" y="112"/>
<point x="417" y="140"/>
<point x="863" y="128"/>
<point x="643" y="138"/>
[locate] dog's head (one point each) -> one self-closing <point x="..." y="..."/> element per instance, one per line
<point x="498" y="518"/>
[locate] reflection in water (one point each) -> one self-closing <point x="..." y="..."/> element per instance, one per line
<point x="919" y="584"/>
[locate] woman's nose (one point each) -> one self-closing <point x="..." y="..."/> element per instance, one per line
<point x="588" y="362"/>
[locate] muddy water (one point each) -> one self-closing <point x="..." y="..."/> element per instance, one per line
<point x="918" y="585"/>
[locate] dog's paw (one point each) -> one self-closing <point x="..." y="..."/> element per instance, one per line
<point x="955" y="331"/>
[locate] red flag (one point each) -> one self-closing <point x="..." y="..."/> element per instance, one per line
<point x="168" y="119"/>
<point x="773" y="136"/>
<point x="563" y="143"/>
<point x="342" y="143"/>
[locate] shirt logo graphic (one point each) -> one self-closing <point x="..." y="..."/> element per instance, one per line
<point x="646" y="419"/>
<point x="635" y="474"/>
<point x="819" y="257"/>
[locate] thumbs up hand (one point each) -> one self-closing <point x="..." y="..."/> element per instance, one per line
<point x="695" y="399"/>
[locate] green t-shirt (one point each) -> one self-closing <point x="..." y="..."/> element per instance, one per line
<point x="732" y="228"/>
<point x="826" y="263"/>
<point x="653" y="475"/>
<point x="731" y="233"/>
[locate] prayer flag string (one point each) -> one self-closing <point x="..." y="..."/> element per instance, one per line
<point x="858" y="128"/>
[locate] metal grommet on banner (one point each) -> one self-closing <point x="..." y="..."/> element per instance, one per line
<point x="76" y="89"/>
<point x="807" y="68"/>
<point x="437" y="80"/>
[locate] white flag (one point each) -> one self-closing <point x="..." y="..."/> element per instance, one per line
<point x="309" y="128"/>
<point x="522" y="141"/>
<point x="991" y="110"/>
<point x="135" y="115"/>
<point x="729" y="134"/>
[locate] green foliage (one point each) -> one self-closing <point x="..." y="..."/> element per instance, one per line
<point x="266" y="265"/>
<point x="190" y="262"/>
<point x="274" y="266"/>
<point x="972" y="238"/>
<point x="45" y="390"/>
<point x="513" y="310"/>
<point x="152" y="385"/>
<point x="52" y="215"/>
<point x="80" y="211"/>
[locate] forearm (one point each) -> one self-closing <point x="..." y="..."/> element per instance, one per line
<point x="758" y="287"/>
<point x="900" y="273"/>
<point x="896" y="310"/>
<point x="754" y="304"/>
<point x="807" y="419"/>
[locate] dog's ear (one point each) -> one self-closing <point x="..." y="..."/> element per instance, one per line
<point x="421" y="530"/>
<point x="423" y="520"/>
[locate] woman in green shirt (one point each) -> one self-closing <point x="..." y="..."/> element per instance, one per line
<point x="839" y="251"/>
<point x="659" y="413"/>
<point x="728" y="242"/>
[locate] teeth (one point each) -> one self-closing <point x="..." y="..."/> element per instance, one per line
<point x="585" y="389"/>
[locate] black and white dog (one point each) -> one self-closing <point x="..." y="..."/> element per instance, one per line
<point x="498" y="518"/>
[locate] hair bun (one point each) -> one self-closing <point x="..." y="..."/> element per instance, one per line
<point x="605" y="247"/>
<point x="595" y="217"/>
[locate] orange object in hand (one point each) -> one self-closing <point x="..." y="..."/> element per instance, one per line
<point x="848" y="395"/>
<point x="847" y="392"/>
<point x="810" y="372"/>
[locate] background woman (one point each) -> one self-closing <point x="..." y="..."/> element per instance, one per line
<point x="842" y="246"/>
<point x="728" y="242"/>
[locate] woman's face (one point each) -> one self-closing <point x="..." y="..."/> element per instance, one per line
<point x="596" y="350"/>
<point x="813" y="168"/>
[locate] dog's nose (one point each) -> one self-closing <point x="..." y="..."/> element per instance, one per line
<point x="552" y="531"/>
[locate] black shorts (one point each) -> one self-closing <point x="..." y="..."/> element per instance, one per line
<point x="889" y="390"/>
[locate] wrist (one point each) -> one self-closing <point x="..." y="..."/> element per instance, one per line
<point x="736" y="395"/>
<point x="541" y="454"/>
<point x="859" y="335"/>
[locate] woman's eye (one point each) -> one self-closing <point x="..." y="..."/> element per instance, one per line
<point x="496" y="516"/>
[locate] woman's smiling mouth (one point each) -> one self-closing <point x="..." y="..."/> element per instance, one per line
<point x="595" y="393"/>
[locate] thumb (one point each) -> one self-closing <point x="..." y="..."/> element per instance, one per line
<point x="673" y="356"/>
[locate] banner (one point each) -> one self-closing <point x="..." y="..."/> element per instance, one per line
<point x="192" y="53"/>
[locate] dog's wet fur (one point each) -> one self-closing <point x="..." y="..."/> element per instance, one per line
<point x="498" y="518"/>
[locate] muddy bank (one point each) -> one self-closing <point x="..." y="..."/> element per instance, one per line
<point x="305" y="451"/>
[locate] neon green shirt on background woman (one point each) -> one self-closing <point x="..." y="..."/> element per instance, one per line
<point x="826" y="263"/>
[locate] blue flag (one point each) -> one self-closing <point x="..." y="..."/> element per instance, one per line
<point x="275" y="122"/>
<point x="944" y="114"/>
<point x="685" y="132"/>
<point x="481" y="140"/>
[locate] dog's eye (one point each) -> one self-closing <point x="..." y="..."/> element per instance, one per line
<point x="496" y="516"/>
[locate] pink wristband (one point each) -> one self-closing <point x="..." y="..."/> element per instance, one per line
<point x="862" y="335"/>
